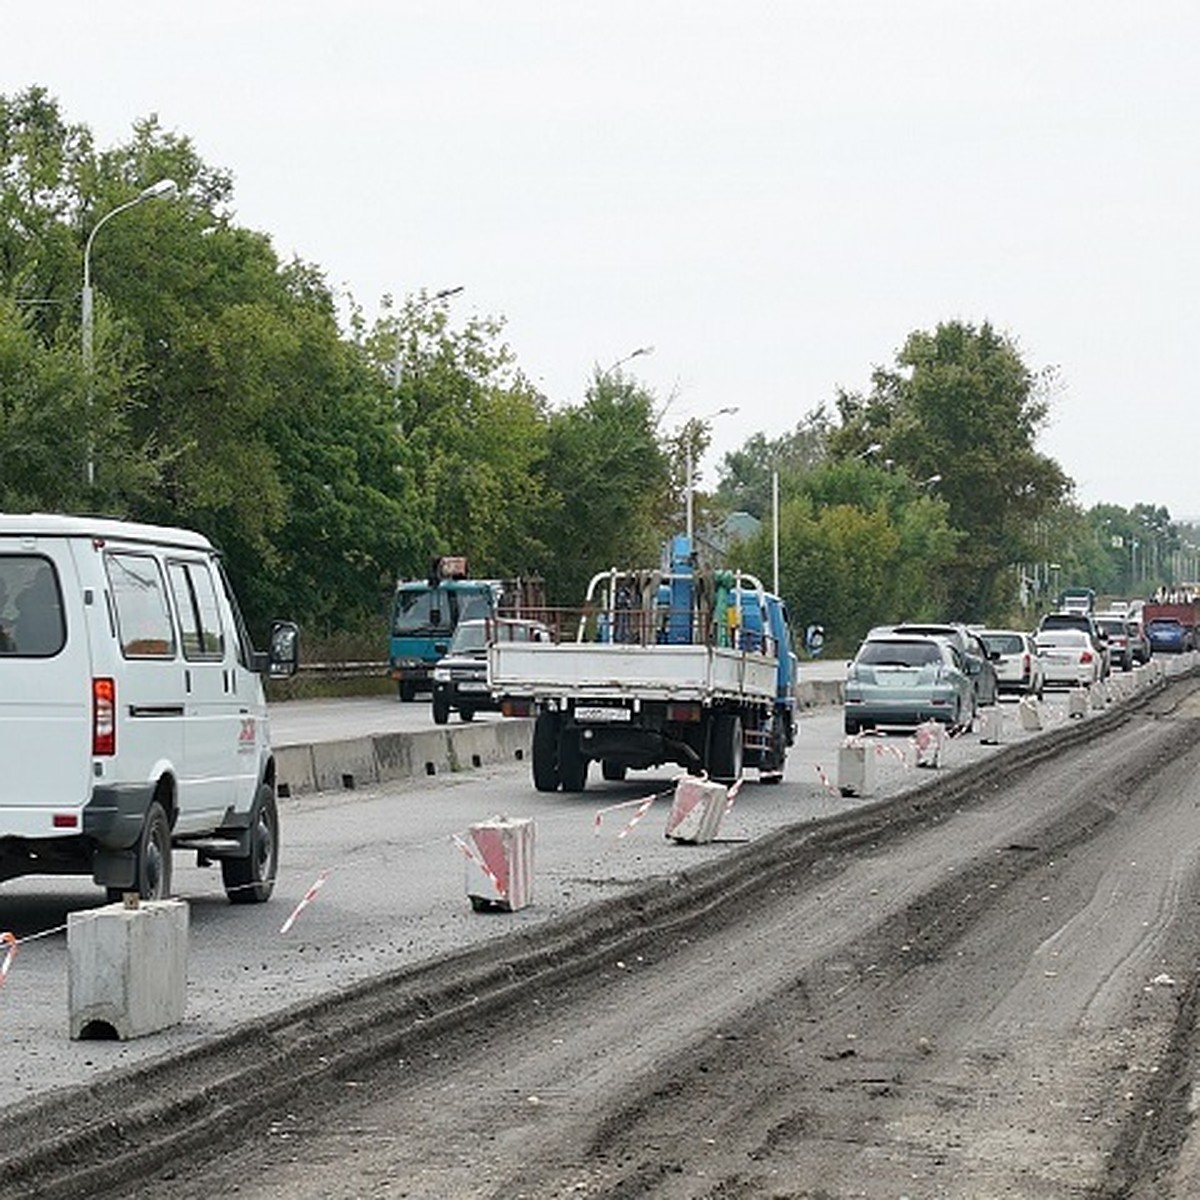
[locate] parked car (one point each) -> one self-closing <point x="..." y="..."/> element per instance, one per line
<point x="1087" y="624"/>
<point x="460" y="679"/>
<point x="1014" y="656"/>
<point x="1115" y="627"/>
<point x="1168" y="635"/>
<point x="907" y="679"/>
<point x="1069" y="658"/>
<point x="975" y="656"/>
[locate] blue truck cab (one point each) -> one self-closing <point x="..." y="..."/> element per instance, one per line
<point x="425" y="614"/>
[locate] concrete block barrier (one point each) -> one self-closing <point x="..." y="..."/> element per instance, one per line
<point x="344" y="764"/>
<point x="127" y="969"/>
<point x="991" y="726"/>
<point x="856" y="769"/>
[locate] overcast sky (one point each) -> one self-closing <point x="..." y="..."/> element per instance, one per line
<point x="773" y="195"/>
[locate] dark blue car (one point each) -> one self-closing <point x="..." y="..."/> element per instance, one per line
<point x="1167" y="635"/>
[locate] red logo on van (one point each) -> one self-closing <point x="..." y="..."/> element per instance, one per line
<point x="248" y="734"/>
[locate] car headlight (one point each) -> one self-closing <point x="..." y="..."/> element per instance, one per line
<point x="441" y="674"/>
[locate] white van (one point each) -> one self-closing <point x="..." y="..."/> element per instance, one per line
<point x="132" y="711"/>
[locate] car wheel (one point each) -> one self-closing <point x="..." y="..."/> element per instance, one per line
<point x="441" y="709"/>
<point x="153" y="878"/>
<point x="851" y="726"/>
<point x="614" y="772"/>
<point x="545" y="753"/>
<point x="466" y="714"/>
<point x="251" y="880"/>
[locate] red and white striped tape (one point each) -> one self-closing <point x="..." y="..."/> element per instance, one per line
<point x="732" y="795"/>
<point x="825" y="781"/>
<point x="642" y="805"/>
<point x="10" y="941"/>
<point x="305" y="901"/>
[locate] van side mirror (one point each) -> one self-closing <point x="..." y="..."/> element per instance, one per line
<point x="283" y="658"/>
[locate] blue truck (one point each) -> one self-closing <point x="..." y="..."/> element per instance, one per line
<point x="668" y="665"/>
<point x="426" y="612"/>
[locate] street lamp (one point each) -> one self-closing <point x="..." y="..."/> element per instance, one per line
<point x="163" y="189"/>
<point x="628" y="358"/>
<point x="398" y="365"/>
<point x="721" y="412"/>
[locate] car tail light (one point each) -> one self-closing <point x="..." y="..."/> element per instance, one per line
<point x="104" y="717"/>
<point x="1026" y="665"/>
<point x="683" y="712"/>
<point x="1085" y="657"/>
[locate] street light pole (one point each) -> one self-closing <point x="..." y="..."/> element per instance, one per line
<point x="628" y="358"/>
<point x="163" y="189"/>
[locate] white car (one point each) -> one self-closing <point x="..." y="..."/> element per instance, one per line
<point x="1069" y="659"/>
<point x="1014" y="654"/>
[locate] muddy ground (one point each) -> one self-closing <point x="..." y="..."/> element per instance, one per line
<point x="984" y="989"/>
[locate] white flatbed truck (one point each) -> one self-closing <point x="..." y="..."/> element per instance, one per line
<point x="665" y="666"/>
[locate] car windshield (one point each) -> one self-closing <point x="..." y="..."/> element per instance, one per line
<point x="899" y="654"/>
<point x="470" y="635"/>
<point x="1003" y="643"/>
<point x="1113" y="628"/>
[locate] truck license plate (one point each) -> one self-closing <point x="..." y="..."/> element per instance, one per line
<point x="595" y="714"/>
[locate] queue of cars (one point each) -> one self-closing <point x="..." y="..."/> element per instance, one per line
<point x="907" y="674"/>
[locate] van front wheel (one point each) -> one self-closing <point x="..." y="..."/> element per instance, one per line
<point x="251" y="880"/>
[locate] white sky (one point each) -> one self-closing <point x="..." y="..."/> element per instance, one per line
<point x="773" y="195"/>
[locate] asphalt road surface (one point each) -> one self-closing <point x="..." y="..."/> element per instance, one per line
<point x="983" y="987"/>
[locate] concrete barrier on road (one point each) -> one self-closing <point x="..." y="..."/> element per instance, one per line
<point x="384" y="757"/>
<point x="810" y="693"/>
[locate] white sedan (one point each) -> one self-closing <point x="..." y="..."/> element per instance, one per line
<point x="1068" y="658"/>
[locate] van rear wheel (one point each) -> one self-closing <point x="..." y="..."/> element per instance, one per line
<point x="152" y="871"/>
<point x="251" y="880"/>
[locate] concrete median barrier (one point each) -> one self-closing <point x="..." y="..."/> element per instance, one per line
<point x="383" y="757"/>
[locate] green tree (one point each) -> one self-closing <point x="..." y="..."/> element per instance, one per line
<point x="962" y="405"/>
<point x="611" y="477"/>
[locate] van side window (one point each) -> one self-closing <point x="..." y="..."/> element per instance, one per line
<point x="143" y="619"/>
<point x="199" y="613"/>
<point x="242" y="643"/>
<point x="31" y="608"/>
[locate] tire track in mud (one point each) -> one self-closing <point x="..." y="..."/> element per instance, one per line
<point x="440" y="1013"/>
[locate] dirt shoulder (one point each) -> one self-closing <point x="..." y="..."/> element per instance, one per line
<point x="983" y="988"/>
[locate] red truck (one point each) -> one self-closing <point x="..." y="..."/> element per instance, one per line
<point x="1172" y="627"/>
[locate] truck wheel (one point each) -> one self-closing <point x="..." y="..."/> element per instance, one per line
<point x="466" y="714"/>
<point x="614" y="772"/>
<point x="441" y="709"/>
<point x="545" y="753"/>
<point x="408" y="690"/>
<point x="572" y="763"/>
<point x="251" y="880"/>
<point x="153" y="878"/>
<point x="725" y="748"/>
<point x="851" y="726"/>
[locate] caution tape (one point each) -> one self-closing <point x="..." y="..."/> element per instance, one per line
<point x="642" y="805"/>
<point x="825" y="781"/>
<point x="732" y="795"/>
<point x="305" y="901"/>
<point x="10" y="941"/>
